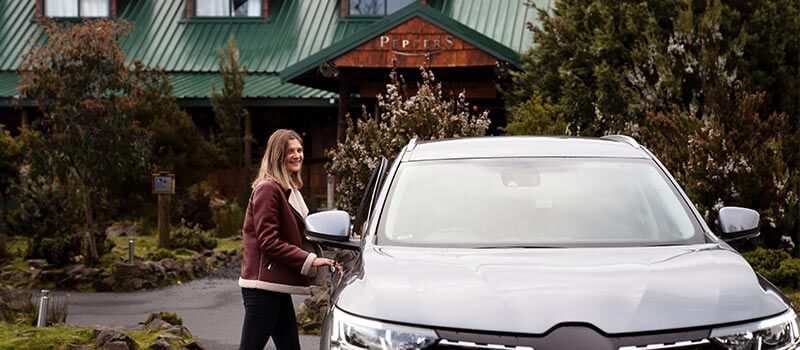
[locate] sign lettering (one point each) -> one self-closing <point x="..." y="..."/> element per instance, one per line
<point x="406" y="44"/>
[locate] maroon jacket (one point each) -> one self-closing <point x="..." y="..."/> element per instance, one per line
<point x="272" y="240"/>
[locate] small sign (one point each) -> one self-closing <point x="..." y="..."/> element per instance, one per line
<point x="164" y="183"/>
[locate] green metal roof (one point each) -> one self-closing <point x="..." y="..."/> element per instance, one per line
<point x="417" y="9"/>
<point x="502" y="20"/>
<point x="17" y="29"/>
<point x="198" y="85"/>
<point x="8" y="84"/>
<point x="295" y="31"/>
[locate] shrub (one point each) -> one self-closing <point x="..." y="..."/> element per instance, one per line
<point x="160" y="254"/>
<point x="195" y="209"/>
<point x="777" y="266"/>
<point x="58" y="250"/>
<point x="46" y="216"/>
<point x="193" y="238"/>
<point x="426" y="115"/>
<point x="228" y="219"/>
<point x="4" y="253"/>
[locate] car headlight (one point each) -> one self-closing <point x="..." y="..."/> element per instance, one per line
<point x="776" y="333"/>
<point x="350" y="332"/>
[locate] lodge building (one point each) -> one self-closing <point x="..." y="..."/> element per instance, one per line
<point x="308" y="62"/>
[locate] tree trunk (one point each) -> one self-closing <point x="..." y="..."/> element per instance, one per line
<point x="94" y="256"/>
<point x="248" y="148"/>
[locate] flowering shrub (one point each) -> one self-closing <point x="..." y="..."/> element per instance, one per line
<point x="427" y="115"/>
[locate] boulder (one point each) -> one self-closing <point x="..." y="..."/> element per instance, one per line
<point x="123" y="229"/>
<point x="37" y="263"/>
<point x="109" y="339"/>
<point x="161" y="344"/>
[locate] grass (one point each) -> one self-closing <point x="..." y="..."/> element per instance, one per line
<point x="146" y="245"/>
<point x="22" y="337"/>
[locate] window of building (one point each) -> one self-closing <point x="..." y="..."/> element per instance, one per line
<point x="77" y="8"/>
<point x="227" y="8"/>
<point x="376" y="7"/>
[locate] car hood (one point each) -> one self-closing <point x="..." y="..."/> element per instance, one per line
<point x="617" y="290"/>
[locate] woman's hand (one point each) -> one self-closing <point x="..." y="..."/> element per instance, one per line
<point x="326" y="262"/>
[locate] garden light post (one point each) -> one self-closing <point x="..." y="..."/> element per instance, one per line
<point x="330" y="192"/>
<point x="130" y="250"/>
<point x="164" y="187"/>
<point x="43" y="303"/>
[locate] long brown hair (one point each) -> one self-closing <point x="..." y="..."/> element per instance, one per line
<point x="272" y="165"/>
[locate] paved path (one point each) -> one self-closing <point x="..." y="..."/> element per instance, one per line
<point x="211" y="309"/>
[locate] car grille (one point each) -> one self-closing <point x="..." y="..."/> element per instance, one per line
<point x="702" y="344"/>
<point x="575" y="337"/>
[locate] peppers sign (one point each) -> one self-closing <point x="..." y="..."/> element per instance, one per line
<point x="164" y="183"/>
<point x="407" y="44"/>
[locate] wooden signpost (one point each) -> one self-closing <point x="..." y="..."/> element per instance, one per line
<point x="164" y="187"/>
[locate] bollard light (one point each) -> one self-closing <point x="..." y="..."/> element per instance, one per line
<point x="130" y="250"/>
<point x="43" y="304"/>
<point x="330" y="191"/>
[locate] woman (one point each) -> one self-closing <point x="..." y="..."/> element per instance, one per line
<point x="274" y="264"/>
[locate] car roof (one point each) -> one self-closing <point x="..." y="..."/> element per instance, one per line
<point x="616" y="146"/>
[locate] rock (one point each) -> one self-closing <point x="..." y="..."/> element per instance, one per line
<point x="123" y="229"/>
<point x="161" y="344"/>
<point x="179" y="331"/>
<point x="109" y="339"/>
<point x="104" y="284"/>
<point x="156" y="324"/>
<point x="118" y="345"/>
<point x="37" y="263"/>
<point x="16" y="277"/>
<point x="79" y="347"/>
<point x="54" y="275"/>
<point x="193" y="346"/>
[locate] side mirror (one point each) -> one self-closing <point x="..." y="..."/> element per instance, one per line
<point x="331" y="228"/>
<point x="737" y="223"/>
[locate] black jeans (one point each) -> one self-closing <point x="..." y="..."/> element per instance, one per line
<point x="268" y="314"/>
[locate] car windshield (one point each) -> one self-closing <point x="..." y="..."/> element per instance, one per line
<point x="535" y="202"/>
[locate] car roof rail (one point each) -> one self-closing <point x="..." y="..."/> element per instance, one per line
<point x="411" y="144"/>
<point x="624" y="139"/>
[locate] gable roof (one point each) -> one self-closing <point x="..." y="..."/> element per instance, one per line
<point x="417" y="9"/>
<point x="295" y="31"/>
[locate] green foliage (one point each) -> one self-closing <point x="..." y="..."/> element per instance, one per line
<point x="777" y="266"/>
<point x="10" y="162"/>
<point x="177" y="144"/>
<point x="536" y="117"/>
<point x="228" y="219"/>
<point x="159" y="254"/>
<point x="578" y="66"/>
<point x="57" y="250"/>
<point x="166" y="316"/>
<point x="426" y="115"/>
<point x="193" y="238"/>
<point x="44" y="216"/>
<point x="227" y="106"/>
<point x="695" y="81"/>
<point x="195" y="208"/>
<point x="78" y="78"/>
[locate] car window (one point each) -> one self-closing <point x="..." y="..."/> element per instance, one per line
<point x="369" y="196"/>
<point x="535" y="202"/>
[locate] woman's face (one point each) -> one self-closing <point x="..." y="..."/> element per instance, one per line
<point x="294" y="156"/>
